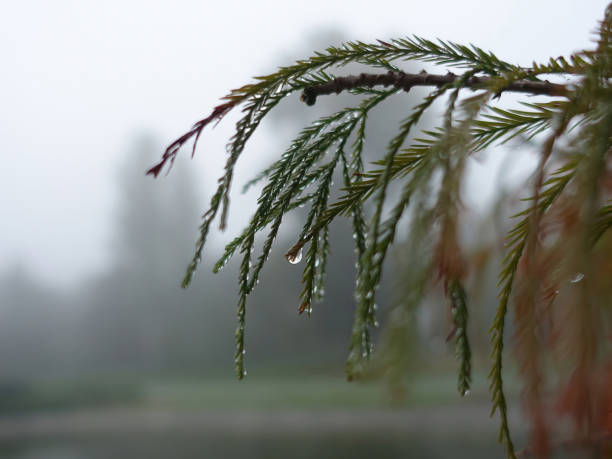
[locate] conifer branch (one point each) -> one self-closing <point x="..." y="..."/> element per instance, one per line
<point x="406" y="81"/>
<point x="570" y="199"/>
<point x="459" y="313"/>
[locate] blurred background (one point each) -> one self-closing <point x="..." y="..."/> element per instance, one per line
<point x="102" y="354"/>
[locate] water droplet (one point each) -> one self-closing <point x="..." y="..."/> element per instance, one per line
<point x="294" y="258"/>
<point x="244" y="373"/>
<point x="577" y="278"/>
<point x="466" y="393"/>
<point x="243" y="351"/>
<point x="317" y="263"/>
<point x="376" y="324"/>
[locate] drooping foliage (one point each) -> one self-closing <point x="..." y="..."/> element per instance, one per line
<point x="556" y="271"/>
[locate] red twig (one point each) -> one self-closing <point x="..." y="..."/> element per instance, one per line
<point x="170" y="154"/>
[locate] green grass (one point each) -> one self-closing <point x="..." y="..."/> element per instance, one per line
<point x="265" y="389"/>
<point x="23" y="396"/>
<point x="305" y="392"/>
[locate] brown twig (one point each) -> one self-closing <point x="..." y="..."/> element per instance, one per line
<point x="406" y="81"/>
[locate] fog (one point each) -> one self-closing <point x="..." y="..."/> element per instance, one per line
<point x="81" y="79"/>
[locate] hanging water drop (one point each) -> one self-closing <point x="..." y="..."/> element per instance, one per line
<point x="294" y="258"/>
<point x="466" y="393"/>
<point x="577" y="278"/>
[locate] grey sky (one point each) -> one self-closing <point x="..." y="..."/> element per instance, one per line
<point x="80" y="78"/>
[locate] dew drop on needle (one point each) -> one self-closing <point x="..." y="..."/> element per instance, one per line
<point x="294" y="258"/>
<point x="577" y="278"/>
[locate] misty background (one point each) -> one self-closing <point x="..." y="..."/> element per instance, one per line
<point x="92" y="251"/>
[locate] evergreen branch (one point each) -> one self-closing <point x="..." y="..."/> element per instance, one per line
<point x="261" y="97"/>
<point x="171" y="151"/>
<point x="576" y="65"/>
<point x="268" y="204"/>
<point x="243" y="280"/>
<point x="238" y="241"/>
<point x="303" y="174"/>
<point x="312" y="139"/>
<point x="339" y="133"/>
<point x="314" y="257"/>
<point x="360" y="191"/>
<point x="378" y="180"/>
<point x="369" y="276"/>
<point x="459" y="313"/>
<point x="516" y="241"/>
<point x="407" y="81"/>
<point x="259" y="177"/>
<point x="255" y="111"/>
<point x="381" y="53"/>
<point x="505" y="125"/>
<point x="376" y="249"/>
<point x="522" y="238"/>
<point x="449" y="53"/>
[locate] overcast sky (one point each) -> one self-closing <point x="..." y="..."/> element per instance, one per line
<point x="80" y="79"/>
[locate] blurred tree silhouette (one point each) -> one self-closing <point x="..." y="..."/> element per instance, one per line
<point x="130" y="322"/>
<point x="556" y="270"/>
<point x="36" y="327"/>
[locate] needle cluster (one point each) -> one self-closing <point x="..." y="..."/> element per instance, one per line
<point x="556" y="269"/>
